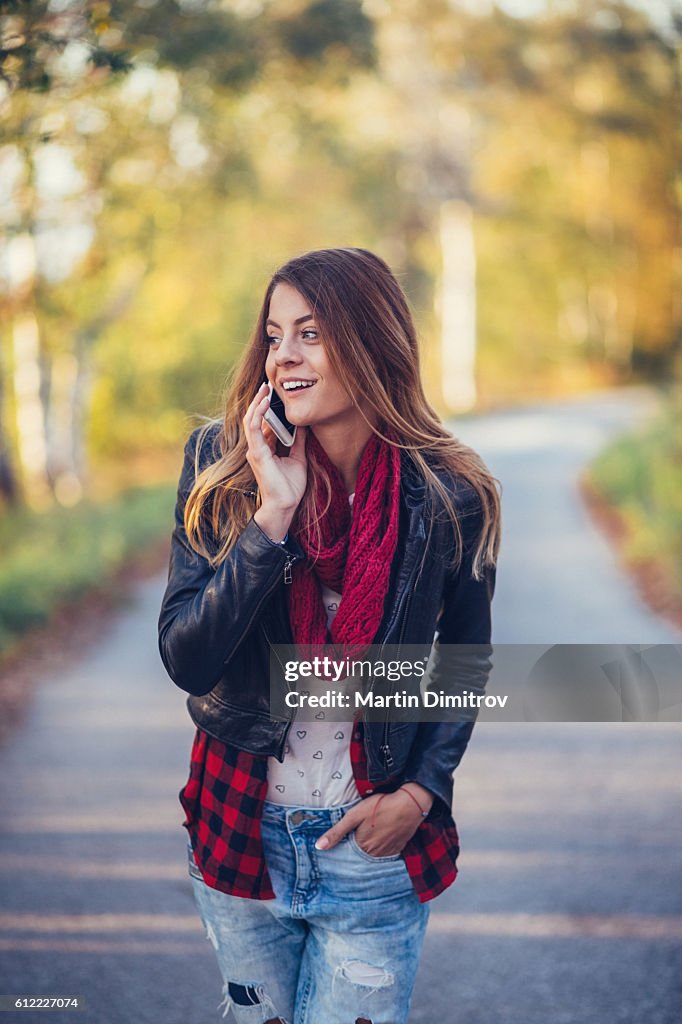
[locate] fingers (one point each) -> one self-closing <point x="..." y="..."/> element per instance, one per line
<point x="258" y="406"/>
<point x="350" y="821"/>
<point x="336" y="833"/>
<point x="253" y="421"/>
<point x="392" y="830"/>
<point x="258" y="403"/>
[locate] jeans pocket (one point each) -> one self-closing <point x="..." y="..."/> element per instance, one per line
<point x="354" y="845"/>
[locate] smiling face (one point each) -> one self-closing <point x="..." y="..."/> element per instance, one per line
<point x="298" y="366"/>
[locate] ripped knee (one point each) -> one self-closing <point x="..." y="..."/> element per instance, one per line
<point x="368" y="977"/>
<point x="359" y="972"/>
<point x="238" y="994"/>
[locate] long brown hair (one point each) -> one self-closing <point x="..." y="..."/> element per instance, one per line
<point x="370" y="340"/>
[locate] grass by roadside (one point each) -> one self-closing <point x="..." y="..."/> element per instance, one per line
<point x="634" y="488"/>
<point x="61" y="574"/>
<point x="62" y="557"/>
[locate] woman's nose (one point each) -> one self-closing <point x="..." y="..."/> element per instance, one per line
<point x="287" y="351"/>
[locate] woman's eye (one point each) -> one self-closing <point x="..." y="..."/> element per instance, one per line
<point x="309" y="334"/>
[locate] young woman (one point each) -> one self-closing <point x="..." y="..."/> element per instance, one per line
<point x="316" y="846"/>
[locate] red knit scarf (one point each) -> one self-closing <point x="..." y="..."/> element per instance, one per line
<point x="357" y="549"/>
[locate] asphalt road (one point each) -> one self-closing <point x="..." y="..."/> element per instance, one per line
<point x="568" y="907"/>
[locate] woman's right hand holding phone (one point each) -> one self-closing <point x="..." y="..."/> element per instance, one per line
<point x="281" y="482"/>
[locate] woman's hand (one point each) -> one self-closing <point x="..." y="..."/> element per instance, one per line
<point x="281" y="481"/>
<point x="380" y="832"/>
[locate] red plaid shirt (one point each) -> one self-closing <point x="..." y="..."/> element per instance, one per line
<point x="223" y="800"/>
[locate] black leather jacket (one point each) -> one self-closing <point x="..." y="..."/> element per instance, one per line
<point x="216" y="627"/>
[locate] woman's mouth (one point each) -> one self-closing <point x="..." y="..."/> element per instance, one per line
<point x="296" y="387"/>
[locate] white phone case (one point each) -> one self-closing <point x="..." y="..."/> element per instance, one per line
<point x="286" y="437"/>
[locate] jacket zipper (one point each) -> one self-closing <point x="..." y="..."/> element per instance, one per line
<point x="287" y="568"/>
<point x="385" y="746"/>
<point x="291" y="559"/>
<point x="289" y="724"/>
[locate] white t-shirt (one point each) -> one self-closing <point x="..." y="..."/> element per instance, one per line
<point x="316" y="771"/>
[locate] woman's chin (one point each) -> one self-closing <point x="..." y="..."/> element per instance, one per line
<point x="297" y="420"/>
<point x="301" y="418"/>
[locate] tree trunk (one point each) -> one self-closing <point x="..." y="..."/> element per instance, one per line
<point x="29" y="392"/>
<point x="9" y="485"/>
<point x="63" y="473"/>
<point x="457" y="302"/>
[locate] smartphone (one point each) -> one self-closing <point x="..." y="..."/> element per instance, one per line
<point x="276" y="418"/>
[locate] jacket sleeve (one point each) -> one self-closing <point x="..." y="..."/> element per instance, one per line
<point x="205" y="612"/>
<point x="460" y="659"/>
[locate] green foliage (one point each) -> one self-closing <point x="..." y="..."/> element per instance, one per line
<point x="641" y="476"/>
<point x="241" y="134"/>
<point x="222" y="44"/>
<point x="36" y="33"/>
<point x="330" y="27"/>
<point x="59" y="555"/>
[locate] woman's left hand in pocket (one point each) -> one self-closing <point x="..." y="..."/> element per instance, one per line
<point x="381" y="831"/>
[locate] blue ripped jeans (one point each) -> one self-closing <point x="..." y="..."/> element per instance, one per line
<point x="339" y="944"/>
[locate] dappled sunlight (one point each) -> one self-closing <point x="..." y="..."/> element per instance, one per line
<point x="51" y="922"/>
<point x="559" y="926"/>
<point x="516" y="164"/>
<point x="50" y="865"/>
<point x="54" y="932"/>
<point x="574" y="858"/>
<point x="642" y="927"/>
<point x="98" y="947"/>
<point x="137" y="823"/>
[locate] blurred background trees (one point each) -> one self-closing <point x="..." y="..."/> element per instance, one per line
<point x="160" y="157"/>
<point x="516" y="163"/>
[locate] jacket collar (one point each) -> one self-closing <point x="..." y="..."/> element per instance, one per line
<point x="412" y="483"/>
